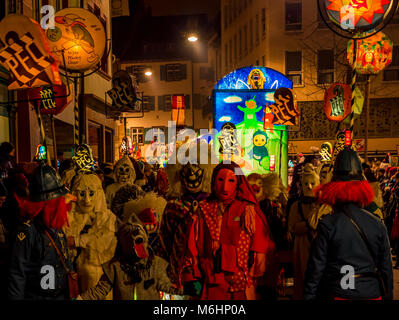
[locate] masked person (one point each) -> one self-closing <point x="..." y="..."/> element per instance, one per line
<point x="124" y="175"/>
<point x="134" y="273"/>
<point x="40" y="262"/>
<point x="230" y="233"/>
<point x="188" y="185"/>
<point x="91" y="231"/>
<point x="349" y="237"/>
<point x="300" y="214"/>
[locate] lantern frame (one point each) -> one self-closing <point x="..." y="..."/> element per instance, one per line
<point x="356" y="33"/>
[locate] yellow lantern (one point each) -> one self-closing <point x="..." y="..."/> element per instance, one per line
<point x="80" y="35"/>
<point x="24" y="51"/>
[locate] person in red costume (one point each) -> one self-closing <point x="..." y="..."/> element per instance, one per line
<point x="230" y="240"/>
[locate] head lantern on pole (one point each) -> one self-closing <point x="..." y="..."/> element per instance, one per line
<point x="373" y="54"/>
<point x="80" y="35"/>
<point x="337" y="102"/>
<point x="25" y="52"/>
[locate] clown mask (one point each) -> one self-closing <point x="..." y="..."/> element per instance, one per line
<point x="256" y="184"/>
<point x="192" y="175"/>
<point x="225" y="185"/>
<point x="149" y="219"/>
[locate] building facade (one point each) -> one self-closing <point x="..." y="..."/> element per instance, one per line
<point x="95" y="129"/>
<point x="290" y="37"/>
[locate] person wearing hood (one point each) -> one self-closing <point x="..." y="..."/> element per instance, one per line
<point x="350" y="239"/>
<point x="40" y="262"/>
<point x="232" y="238"/>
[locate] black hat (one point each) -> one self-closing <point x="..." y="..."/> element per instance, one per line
<point x="347" y="166"/>
<point x="46" y="184"/>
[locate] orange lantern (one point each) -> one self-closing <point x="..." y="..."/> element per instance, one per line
<point x="337" y="102"/>
<point x="373" y="54"/>
<point x="26" y="54"/>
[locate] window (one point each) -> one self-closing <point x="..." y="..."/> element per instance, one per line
<point x="251" y="35"/>
<point x="109" y="144"/>
<point x="293" y="66"/>
<point x="174" y="72"/>
<point x="137" y="135"/>
<point x="263" y="23"/>
<point x="325" y="66"/>
<point x="148" y="103"/>
<point x="206" y="73"/>
<point x="391" y="73"/>
<point x="293" y="15"/>
<point x="138" y="72"/>
<point x="159" y="134"/>
<point x="165" y="102"/>
<point x="257" y="30"/>
<point x="96" y="141"/>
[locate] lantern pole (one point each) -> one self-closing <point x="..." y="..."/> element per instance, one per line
<point x="42" y="132"/>
<point x="353" y="87"/>
<point x="367" y="117"/>
<point x="126" y="140"/>
<point x="54" y="142"/>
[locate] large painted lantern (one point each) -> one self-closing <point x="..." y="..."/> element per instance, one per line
<point x="80" y="35"/>
<point x="353" y="18"/>
<point x="337" y="102"/>
<point x="373" y="54"/>
<point x="253" y="107"/>
<point x="24" y="51"/>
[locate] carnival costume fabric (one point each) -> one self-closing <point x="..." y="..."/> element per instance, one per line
<point x="124" y="174"/>
<point x="92" y="226"/>
<point x="188" y="185"/>
<point x="135" y="273"/>
<point x="300" y="214"/>
<point x="339" y="241"/>
<point x="228" y="230"/>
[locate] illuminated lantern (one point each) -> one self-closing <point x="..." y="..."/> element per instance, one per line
<point x="178" y="113"/>
<point x="272" y="162"/>
<point x="373" y="54"/>
<point x="53" y="99"/>
<point x="285" y="108"/>
<point x="25" y="52"/>
<point x="41" y="154"/>
<point x="348" y="138"/>
<point x="357" y="15"/>
<point x="325" y="152"/>
<point x="123" y="93"/>
<point x="83" y="158"/>
<point x="80" y="34"/>
<point x="337" y="102"/>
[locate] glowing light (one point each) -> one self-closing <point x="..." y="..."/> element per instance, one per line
<point x="148" y="73"/>
<point x="192" y="38"/>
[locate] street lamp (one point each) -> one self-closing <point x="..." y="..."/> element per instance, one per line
<point x="148" y="73"/>
<point x="192" y="38"/>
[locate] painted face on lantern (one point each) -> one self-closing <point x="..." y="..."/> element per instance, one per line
<point x="259" y="140"/>
<point x="309" y="182"/>
<point x="225" y="185"/>
<point x="124" y="173"/>
<point x="86" y="199"/>
<point x="257" y="187"/>
<point x="192" y="176"/>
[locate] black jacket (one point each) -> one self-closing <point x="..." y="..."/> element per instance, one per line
<point x="337" y="244"/>
<point x="32" y="251"/>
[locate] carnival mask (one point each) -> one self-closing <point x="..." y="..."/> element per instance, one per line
<point x="309" y="182"/>
<point x="149" y="219"/>
<point x="257" y="187"/>
<point x="134" y="240"/>
<point x="192" y="177"/>
<point x="124" y="173"/>
<point x="86" y="199"/>
<point x="225" y="185"/>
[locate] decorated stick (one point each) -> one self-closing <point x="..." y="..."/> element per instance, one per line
<point x="353" y="85"/>
<point x="76" y="113"/>
<point x="42" y="132"/>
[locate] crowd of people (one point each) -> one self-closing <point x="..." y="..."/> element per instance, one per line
<point x="135" y="231"/>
